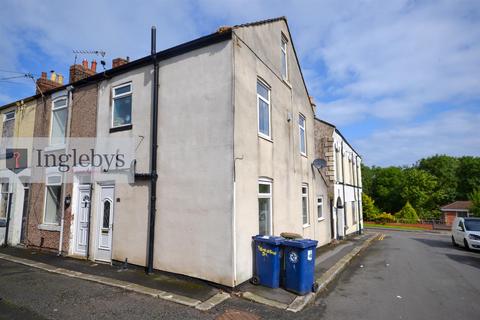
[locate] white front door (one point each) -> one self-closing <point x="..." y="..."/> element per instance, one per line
<point x="82" y="219"/>
<point x="105" y="223"/>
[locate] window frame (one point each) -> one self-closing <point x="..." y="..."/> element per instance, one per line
<point x="305" y="195"/>
<point x="50" y="184"/>
<point x="320" y="204"/>
<point x="284" y="53"/>
<point x="6" y="114"/>
<point x="269" y="196"/>
<point x="268" y="102"/>
<point x="56" y="109"/>
<point x="2" y="193"/>
<point x="354" y="212"/>
<point x="121" y="95"/>
<point x="304" y="128"/>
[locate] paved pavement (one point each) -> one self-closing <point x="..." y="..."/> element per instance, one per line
<point x="407" y="275"/>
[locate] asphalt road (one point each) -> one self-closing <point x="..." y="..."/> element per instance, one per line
<point x="407" y="275"/>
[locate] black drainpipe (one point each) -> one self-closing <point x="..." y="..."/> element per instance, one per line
<point x="7" y="223"/>
<point x="153" y="159"/>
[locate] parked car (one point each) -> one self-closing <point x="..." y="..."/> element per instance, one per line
<point x="466" y="232"/>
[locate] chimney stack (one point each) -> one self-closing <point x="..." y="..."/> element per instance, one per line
<point x="82" y="71"/>
<point x="117" y="62"/>
<point x="44" y="84"/>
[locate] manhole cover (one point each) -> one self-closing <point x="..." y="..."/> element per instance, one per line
<point x="237" y="315"/>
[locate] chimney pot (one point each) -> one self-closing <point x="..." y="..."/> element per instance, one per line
<point x="85" y="64"/>
<point x="94" y="66"/>
<point x="53" y="76"/>
<point x="44" y="75"/>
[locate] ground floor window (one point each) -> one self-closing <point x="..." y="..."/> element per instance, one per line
<point x="305" y="215"/>
<point x="52" y="204"/>
<point x="320" y="208"/>
<point x="265" y="206"/>
<point x="4" y="201"/>
<point x="354" y="212"/>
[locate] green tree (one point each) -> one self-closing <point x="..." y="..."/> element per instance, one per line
<point x="386" y="188"/>
<point x="444" y="168"/>
<point x="407" y="214"/>
<point x="469" y="176"/>
<point x="420" y="189"/>
<point x="474" y="196"/>
<point x="369" y="208"/>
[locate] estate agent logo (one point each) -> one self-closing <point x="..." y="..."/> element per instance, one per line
<point x="16" y="159"/>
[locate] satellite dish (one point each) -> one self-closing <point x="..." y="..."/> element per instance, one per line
<point x="319" y="163"/>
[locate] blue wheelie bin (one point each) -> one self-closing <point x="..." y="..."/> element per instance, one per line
<point x="299" y="266"/>
<point x="268" y="255"/>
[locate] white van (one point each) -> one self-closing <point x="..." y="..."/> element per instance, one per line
<point x="466" y="232"/>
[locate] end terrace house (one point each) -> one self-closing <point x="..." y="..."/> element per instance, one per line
<point x="234" y="128"/>
<point x="343" y="177"/>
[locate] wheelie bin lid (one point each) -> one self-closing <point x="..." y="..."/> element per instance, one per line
<point x="300" y="243"/>
<point x="269" y="239"/>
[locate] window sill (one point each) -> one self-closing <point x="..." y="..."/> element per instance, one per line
<point x="305" y="226"/>
<point x="304" y="155"/>
<point x="55" y="147"/>
<point x="320" y="219"/>
<point x="265" y="138"/>
<point x="122" y="128"/>
<point x="49" y="227"/>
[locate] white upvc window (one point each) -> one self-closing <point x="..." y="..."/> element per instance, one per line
<point x="8" y="116"/>
<point x="263" y="110"/>
<point x="305" y="213"/>
<point x="320" y="208"/>
<point x="53" y="195"/>
<point x="338" y="165"/>
<point x="4" y="195"/>
<point x="265" y="206"/>
<point x="354" y="212"/>
<point x="301" y="127"/>
<point x="58" y="128"/>
<point x="283" y="50"/>
<point x="122" y="105"/>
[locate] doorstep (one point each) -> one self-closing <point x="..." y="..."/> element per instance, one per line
<point x="176" y="288"/>
<point x="331" y="259"/>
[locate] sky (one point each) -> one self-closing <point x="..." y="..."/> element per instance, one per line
<point x="399" y="78"/>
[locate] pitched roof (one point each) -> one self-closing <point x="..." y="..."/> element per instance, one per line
<point x="457" y="205"/>
<point x="159" y="56"/>
<point x="256" y="23"/>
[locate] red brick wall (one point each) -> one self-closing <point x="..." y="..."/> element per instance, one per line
<point x="83" y="124"/>
<point x="449" y="217"/>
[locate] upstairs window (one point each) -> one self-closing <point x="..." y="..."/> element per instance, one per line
<point x="8" y="124"/>
<point x="283" y="50"/>
<point x="58" y="130"/>
<point x="263" y="106"/>
<point x="122" y="106"/>
<point x="301" y="126"/>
